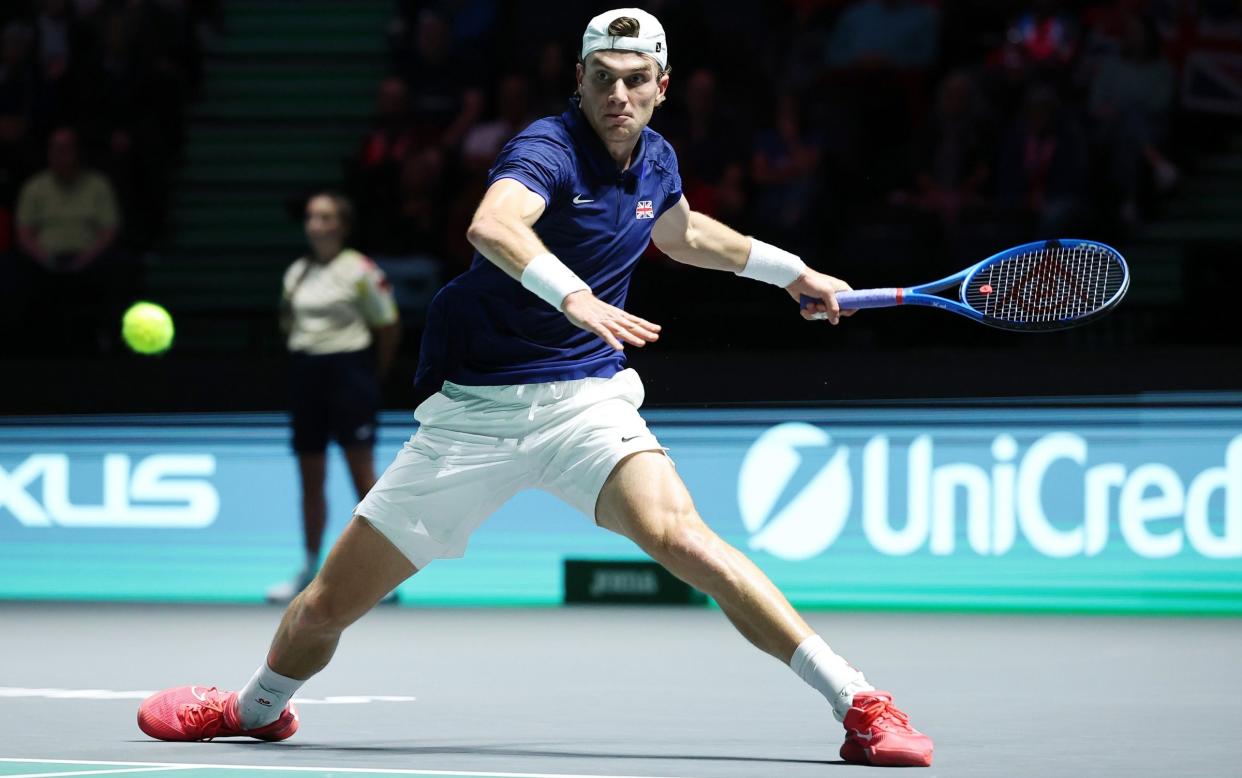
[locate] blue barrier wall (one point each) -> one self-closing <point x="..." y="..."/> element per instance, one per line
<point x="1125" y="509"/>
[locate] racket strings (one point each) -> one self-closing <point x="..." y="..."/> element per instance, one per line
<point x="1048" y="285"/>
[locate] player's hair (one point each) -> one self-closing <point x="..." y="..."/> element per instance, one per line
<point x="343" y="205"/>
<point x="624" y="26"/>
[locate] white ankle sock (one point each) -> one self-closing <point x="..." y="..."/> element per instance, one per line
<point x="260" y="702"/>
<point x="829" y="674"/>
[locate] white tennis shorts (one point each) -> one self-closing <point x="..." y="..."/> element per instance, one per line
<point x="477" y="446"/>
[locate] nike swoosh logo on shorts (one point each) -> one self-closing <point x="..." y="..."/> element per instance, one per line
<point x="631" y="437"/>
<point x="579" y="201"/>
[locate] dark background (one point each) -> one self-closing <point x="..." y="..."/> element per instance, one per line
<point x="888" y="142"/>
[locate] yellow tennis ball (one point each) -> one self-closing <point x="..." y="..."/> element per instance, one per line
<point x="147" y="328"/>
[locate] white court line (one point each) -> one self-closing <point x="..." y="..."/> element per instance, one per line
<point x="93" y="772"/>
<point x="21" y="692"/>
<point x="362" y="770"/>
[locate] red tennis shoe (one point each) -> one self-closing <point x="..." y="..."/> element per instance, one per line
<point x="204" y="713"/>
<point x="877" y="733"/>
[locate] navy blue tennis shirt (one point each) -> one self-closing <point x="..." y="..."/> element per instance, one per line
<point x="484" y="328"/>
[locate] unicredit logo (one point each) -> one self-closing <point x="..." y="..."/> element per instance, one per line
<point x="795" y="489"/>
<point x="793" y="492"/>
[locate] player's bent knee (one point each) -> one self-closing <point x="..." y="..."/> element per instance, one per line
<point x="320" y="609"/>
<point x="690" y="548"/>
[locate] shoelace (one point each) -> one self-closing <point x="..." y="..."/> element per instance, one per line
<point x="208" y="716"/>
<point x="879" y="709"/>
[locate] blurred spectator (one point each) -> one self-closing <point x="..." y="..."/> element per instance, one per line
<point x="884" y="33"/>
<point x="391" y="138"/>
<point x="970" y="29"/>
<point x="484" y="141"/>
<point x="1046" y="36"/>
<point x="710" y="144"/>
<point x="66" y="216"/>
<point x="421" y="204"/>
<point x="166" y="43"/>
<point x="800" y="44"/>
<point x="134" y="161"/>
<point x="1129" y="101"/>
<point x="375" y="171"/>
<point x="19" y="78"/>
<point x="1105" y="27"/>
<point x="1042" y="171"/>
<point x="67" y="223"/>
<point x="553" y="82"/>
<point x="953" y="152"/>
<point x="128" y="107"/>
<point x="19" y="92"/>
<point x="879" y="55"/>
<point x="785" y="168"/>
<point x="445" y="96"/>
<point x="405" y="207"/>
<point x="1040" y="45"/>
<point x="474" y="21"/>
<point x="55" y="39"/>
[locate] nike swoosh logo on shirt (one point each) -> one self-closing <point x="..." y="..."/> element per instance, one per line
<point x="631" y="437"/>
<point x="579" y="201"/>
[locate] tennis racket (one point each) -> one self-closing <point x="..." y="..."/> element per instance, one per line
<point x="1046" y="285"/>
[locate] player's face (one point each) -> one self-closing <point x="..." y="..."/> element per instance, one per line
<point x="620" y="90"/>
<point x="323" y="223"/>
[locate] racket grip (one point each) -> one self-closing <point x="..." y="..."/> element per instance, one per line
<point x="862" y="298"/>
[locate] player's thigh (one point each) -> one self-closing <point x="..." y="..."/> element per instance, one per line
<point x="601" y="429"/>
<point x="645" y="500"/>
<point x="440" y="487"/>
<point x="361" y="569"/>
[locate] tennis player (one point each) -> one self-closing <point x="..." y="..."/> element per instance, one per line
<point x="523" y="371"/>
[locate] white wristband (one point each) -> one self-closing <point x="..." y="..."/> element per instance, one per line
<point x="771" y="264"/>
<point x="550" y="280"/>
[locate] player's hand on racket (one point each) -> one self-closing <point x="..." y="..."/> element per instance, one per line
<point x="615" y="326"/>
<point x="820" y="287"/>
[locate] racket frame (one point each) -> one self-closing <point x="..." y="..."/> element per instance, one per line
<point x="924" y="294"/>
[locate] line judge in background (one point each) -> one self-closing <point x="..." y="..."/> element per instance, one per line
<point x="336" y="305"/>
<point x="523" y="371"/>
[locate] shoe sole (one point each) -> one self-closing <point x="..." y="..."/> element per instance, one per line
<point x="893" y="759"/>
<point x="855" y="754"/>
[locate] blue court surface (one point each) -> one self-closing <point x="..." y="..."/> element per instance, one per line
<point x="614" y="691"/>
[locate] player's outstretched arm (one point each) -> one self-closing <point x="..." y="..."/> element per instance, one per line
<point x="503" y="231"/>
<point x="697" y="239"/>
<point x="502" y="226"/>
<point x="693" y="238"/>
